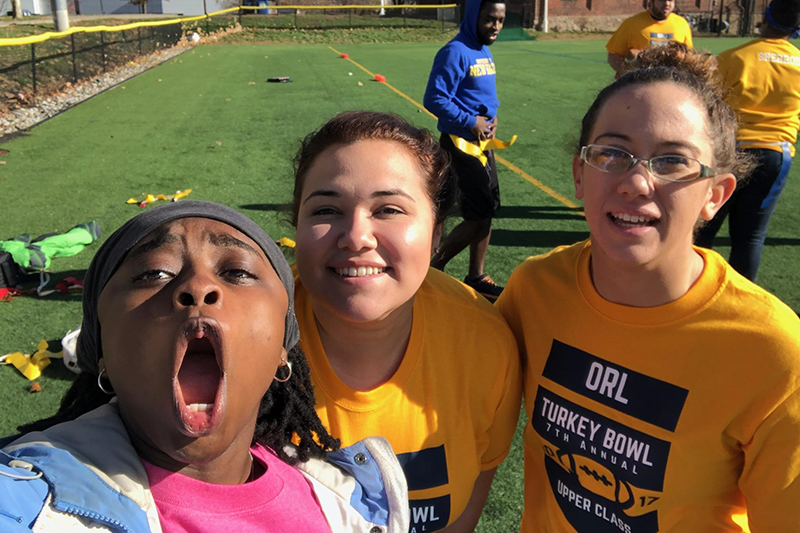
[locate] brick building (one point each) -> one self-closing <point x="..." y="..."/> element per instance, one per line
<point x="740" y="16"/>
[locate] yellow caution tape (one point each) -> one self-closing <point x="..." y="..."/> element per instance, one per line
<point x="14" y="41"/>
<point x="150" y="198"/>
<point x="476" y="150"/>
<point x="32" y="39"/>
<point x="31" y="366"/>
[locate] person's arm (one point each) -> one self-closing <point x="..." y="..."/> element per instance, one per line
<point x="688" y="40"/>
<point x="483" y="128"/>
<point x="492" y="129"/>
<point x="721" y="73"/>
<point x="501" y="432"/>
<point x="447" y="72"/>
<point x="469" y="518"/>
<point x="616" y="62"/>
<point x="770" y="479"/>
<point x="770" y="435"/>
<point x="617" y="46"/>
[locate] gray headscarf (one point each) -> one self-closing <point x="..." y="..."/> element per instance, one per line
<point x="110" y="256"/>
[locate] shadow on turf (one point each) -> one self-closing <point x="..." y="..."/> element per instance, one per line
<point x="266" y="207"/>
<point x="539" y="212"/>
<point x="771" y="241"/>
<point x="57" y="371"/>
<point x="55" y="277"/>
<point x="536" y="239"/>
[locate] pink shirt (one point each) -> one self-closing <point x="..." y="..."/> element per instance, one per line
<point x="280" y="500"/>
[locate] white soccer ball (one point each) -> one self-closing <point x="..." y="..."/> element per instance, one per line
<point x="194" y="37"/>
<point x="349" y="73"/>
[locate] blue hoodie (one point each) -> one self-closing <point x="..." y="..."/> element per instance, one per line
<point x="462" y="81"/>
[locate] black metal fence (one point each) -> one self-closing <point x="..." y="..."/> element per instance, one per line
<point x="277" y="17"/>
<point x="35" y="69"/>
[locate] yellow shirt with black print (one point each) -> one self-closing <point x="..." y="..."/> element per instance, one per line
<point x="681" y="418"/>
<point x="643" y="31"/>
<point x="762" y="79"/>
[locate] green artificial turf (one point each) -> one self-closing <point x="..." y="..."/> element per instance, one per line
<point x="209" y="121"/>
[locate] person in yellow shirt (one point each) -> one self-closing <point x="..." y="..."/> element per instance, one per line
<point x="397" y="348"/>
<point x="662" y="388"/>
<point x="762" y="78"/>
<point x="657" y="26"/>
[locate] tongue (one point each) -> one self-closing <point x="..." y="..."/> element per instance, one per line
<point x="199" y="378"/>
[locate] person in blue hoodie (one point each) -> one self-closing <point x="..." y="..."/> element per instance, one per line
<point x="462" y="94"/>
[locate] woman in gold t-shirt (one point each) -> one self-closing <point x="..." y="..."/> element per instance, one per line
<point x="398" y="349"/>
<point x="662" y="388"/>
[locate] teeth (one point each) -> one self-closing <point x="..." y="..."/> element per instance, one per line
<point x="359" y="272"/>
<point x="200" y="407"/>
<point x="633" y="219"/>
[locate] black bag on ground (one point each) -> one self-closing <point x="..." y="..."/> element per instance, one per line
<point x="10" y="273"/>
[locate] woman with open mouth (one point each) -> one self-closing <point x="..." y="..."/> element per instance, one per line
<point x="192" y="389"/>
<point x="662" y="387"/>
<point x="396" y="348"/>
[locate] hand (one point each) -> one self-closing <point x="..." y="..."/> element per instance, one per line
<point x="492" y="129"/>
<point x="483" y="127"/>
<point x="632" y="54"/>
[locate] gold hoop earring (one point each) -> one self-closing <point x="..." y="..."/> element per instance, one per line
<point x="284" y="364"/>
<point x="100" y="383"/>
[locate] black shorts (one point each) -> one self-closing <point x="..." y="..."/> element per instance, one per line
<point x="479" y="196"/>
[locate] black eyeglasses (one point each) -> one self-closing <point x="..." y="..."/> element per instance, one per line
<point x="673" y="168"/>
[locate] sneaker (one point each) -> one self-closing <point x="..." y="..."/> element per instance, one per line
<point x="485" y="285"/>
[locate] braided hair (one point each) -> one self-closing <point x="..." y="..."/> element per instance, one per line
<point x="286" y="410"/>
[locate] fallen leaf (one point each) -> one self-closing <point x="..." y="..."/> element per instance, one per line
<point x="219" y="143"/>
<point x="523" y="105"/>
<point x="123" y="87"/>
<point x="35" y="387"/>
<point x="3" y="152"/>
<point x="266" y="57"/>
<point x="251" y="83"/>
<point x="227" y="99"/>
<point x="360" y="84"/>
<point x="2" y="162"/>
<point x="159" y="79"/>
<point x="533" y="131"/>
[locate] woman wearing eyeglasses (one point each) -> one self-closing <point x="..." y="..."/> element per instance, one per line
<point x="661" y="386"/>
